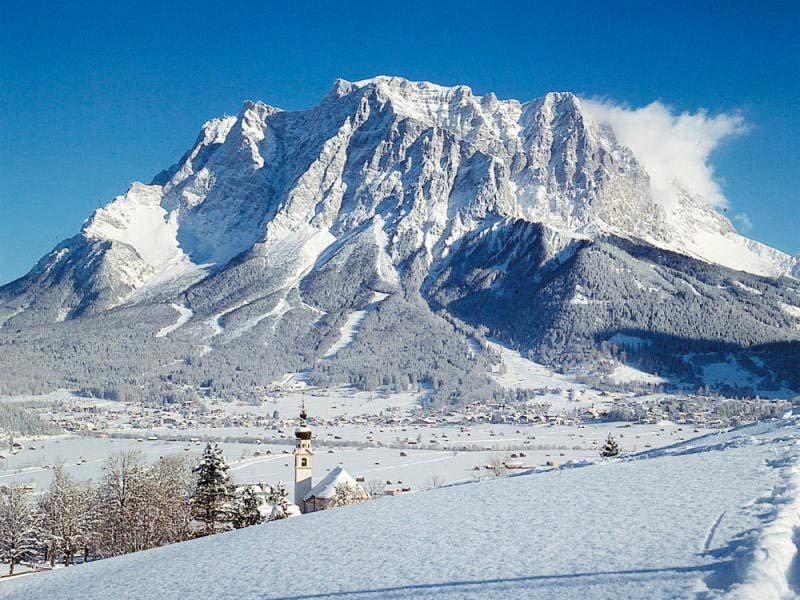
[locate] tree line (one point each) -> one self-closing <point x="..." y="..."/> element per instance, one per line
<point x="134" y="506"/>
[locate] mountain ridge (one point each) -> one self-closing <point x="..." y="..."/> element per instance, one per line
<point x="281" y="223"/>
<point x="491" y="124"/>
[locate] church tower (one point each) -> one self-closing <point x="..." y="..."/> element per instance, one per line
<point x="302" y="461"/>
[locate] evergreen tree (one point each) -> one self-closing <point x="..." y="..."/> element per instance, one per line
<point x="610" y="448"/>
<point x="20" y="529"/>
<point x="279" y="499"/>
<point x="214" y="495"/>
<point x="247" y="509"/>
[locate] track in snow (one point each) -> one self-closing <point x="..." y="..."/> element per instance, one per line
<point x="771" y="570"/>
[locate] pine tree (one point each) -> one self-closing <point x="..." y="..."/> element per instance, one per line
<point x="20" y="528"/>
<point x="279" y="499"/>
<point x="610" y="448"/>
<point x="214" y="496"/>
<point x="247" y="509"/>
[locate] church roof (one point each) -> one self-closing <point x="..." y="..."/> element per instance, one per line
<point x="327" y="487"/>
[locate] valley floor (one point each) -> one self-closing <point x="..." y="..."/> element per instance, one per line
<point x="715" y="516"/>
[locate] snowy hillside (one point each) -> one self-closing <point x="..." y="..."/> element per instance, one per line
<point x="714" y="517"/>
<point x="273" y="234"/>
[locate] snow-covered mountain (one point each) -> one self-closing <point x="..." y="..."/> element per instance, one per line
<point x="376" y="189"/>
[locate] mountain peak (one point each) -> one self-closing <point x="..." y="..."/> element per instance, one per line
<point x="403" y="86"/>
<point x="562" y="101"/>
<point x="432" y="163"/>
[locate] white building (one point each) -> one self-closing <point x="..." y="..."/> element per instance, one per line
<point x="319" y="497"/>
<point x="322" y="495"/>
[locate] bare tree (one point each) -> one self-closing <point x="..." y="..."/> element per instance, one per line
<point x="173" y="487"/>
<point x="144" y="506"/>
<point x="496" y="466"/>
<point x="67" y="507"/>
<point x="375" y="488"/>
<point x="345" y="494"/>
<point x="20" y="528"/>
<point x="434" y="481"/>
<point x="123" y="492"/>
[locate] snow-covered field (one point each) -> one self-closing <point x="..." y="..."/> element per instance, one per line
<point x="628" y="374"/>
<point x="332" y="402"/>
<point x="444" y="458"/>
<point x="522" y="373"/>
<point x="711" y="517"/>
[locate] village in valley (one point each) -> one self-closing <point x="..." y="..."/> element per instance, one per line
<point x="304" y="449"/>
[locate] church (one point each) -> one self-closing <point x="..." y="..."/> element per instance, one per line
<point x="308" y="497"/>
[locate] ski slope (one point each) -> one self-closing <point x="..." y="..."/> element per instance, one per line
<point x="628" y="374"/>
<point x="349" y="331"/>
<point x="713" y="517"/>
<point x="184" y="314"/>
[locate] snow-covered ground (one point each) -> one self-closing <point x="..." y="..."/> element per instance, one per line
<point x="280" y="309"/>
<point x="449" y="454"/>
<point x="58" y="395"/>
<point x="628" y="374"/>
<point x="522" y="373"/>
<point x="791" y="310"/>
<point x="331" y="402"/>
<point x="729" y="372"/>
<point x="711" y="517"/>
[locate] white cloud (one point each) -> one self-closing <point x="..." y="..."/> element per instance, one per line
<point x="743" y="220"/>
<point x="673" y="148"/>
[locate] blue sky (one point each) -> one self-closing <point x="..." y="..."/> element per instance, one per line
<point x="95" y="95"/>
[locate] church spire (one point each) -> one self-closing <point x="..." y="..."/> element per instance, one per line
<point x="303" y="456"/>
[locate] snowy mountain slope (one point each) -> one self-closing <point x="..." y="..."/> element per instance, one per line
<point x="709" y="518"/>
<point x="275" y="226"/>
<point x="565" y="297"/>
<point x="431" y="161"/>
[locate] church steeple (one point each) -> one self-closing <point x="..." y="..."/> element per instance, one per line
<point x="302" y="460"/>
<point x="303" y="413"/>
